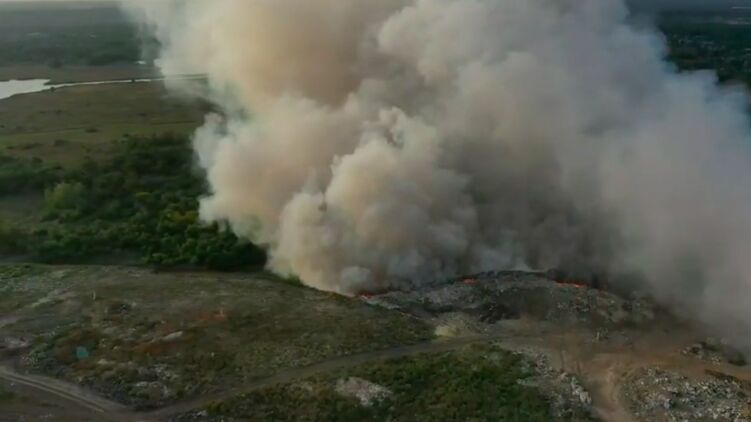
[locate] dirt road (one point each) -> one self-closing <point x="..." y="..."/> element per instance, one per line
<point x="115" y="412"/>
<point x="329" y="365"/>
<point x="43" y="386"/>
<point x="602" y="371"/>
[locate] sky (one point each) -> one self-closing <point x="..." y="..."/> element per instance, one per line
<point x="642" y="4"/>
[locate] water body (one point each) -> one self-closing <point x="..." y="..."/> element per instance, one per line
<point x="14" y="87"/>
<point x="11" y="88"/>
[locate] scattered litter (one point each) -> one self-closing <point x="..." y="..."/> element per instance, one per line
<point x="656" y="394"/>
<point x="364" y="391"/>
<point x="82" y="353"/>
<point x="512" y="295"/>
<point x="173" y="337"/>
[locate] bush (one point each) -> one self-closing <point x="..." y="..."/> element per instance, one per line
<point x="143" y="201"/>
<point x="19" y="175"/>
<point x="12" y="239"/>
<point x="65" y="197"/>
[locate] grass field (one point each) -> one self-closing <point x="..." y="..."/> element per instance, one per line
<point x="477" y="383"/>
<point x="67" y="126"/>
<point x="71" y="74"/>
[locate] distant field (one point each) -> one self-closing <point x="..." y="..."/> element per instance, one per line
<point x="69" y="42"/>
<point x="62" y="35"/>
<point x="66" y="126"/>
<point x="70" y="74"/>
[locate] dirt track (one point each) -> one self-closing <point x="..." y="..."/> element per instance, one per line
<point x="74" y="395"/>
<point x="327" y="366"/>
<point x="602" y="376"/>
<point x="115" y="412"/>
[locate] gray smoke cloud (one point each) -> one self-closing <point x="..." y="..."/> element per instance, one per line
<point x="372" y="145"/>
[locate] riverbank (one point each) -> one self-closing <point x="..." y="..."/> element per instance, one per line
<point x="77" y="74"/>
<point x="67" y="126"/>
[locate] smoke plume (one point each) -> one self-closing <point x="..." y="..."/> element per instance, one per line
<point x="379" y="144"/>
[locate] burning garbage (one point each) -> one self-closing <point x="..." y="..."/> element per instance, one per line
<point x="395" y="152"/>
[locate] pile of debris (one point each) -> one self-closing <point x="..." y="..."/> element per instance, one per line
<point x="656" y="394"/>
<point x="366" y="392"/>
<point x="12" y="346"/>
<point x="492" y="297"/>
<point x="569" y="400"/>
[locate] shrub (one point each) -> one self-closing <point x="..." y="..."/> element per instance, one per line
<point x="143" y="201"/>
<point x="65" y="196"/>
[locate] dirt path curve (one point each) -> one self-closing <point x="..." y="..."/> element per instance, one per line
<point x="604" y="379"/>
<point x="115" y="412"/>
<point x="602" y="374"/>
<point x="289" y="375"/>
<point x="109" y="411"/>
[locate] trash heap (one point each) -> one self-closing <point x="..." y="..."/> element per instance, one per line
<point x="492" y="297"/>
<point x="656" y="394"/>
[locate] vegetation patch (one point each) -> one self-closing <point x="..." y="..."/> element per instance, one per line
<point x="19" y="175"/>
<point x="718" y="42"/>
<point x="61" y="36"/>
<point x="6" y="395"/>
<point x="142" y="202"/>
<point x="148" y="339"/>
<point x="71" y="126"/>
<point x="478" y="383"/>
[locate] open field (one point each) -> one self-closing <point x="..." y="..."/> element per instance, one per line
<point x="480" y="382"/>
<point x="70" y="124"/>
<point x="152" y="339"/>
<point x="61" y="34"/>
<point x="72" y="74"/>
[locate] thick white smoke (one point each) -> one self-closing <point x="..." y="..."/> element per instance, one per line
<point x="370" y="144"/>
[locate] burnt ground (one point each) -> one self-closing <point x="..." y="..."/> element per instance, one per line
<point x="223" y="347"/>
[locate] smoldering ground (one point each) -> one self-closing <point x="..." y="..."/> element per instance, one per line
<point x="378" y="144"/>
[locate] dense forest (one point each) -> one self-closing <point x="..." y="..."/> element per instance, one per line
<point x="719" y="42"/>
<point x="143" y="202"/>
<point x="60" y="36"/>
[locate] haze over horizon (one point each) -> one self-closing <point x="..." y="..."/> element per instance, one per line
<point x="642" y="4"/>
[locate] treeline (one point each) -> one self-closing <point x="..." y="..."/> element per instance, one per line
<point x="61" y="36"/>
<point x="64" y="47"/>
<point x="143" y="203"/>
<point x="714" y="42"/>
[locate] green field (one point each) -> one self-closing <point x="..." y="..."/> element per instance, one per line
<point x="69" y="125"/>
<point x="75" y="135"/>
<point x="65" y="34"/>
<point x="477" y="383"/>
